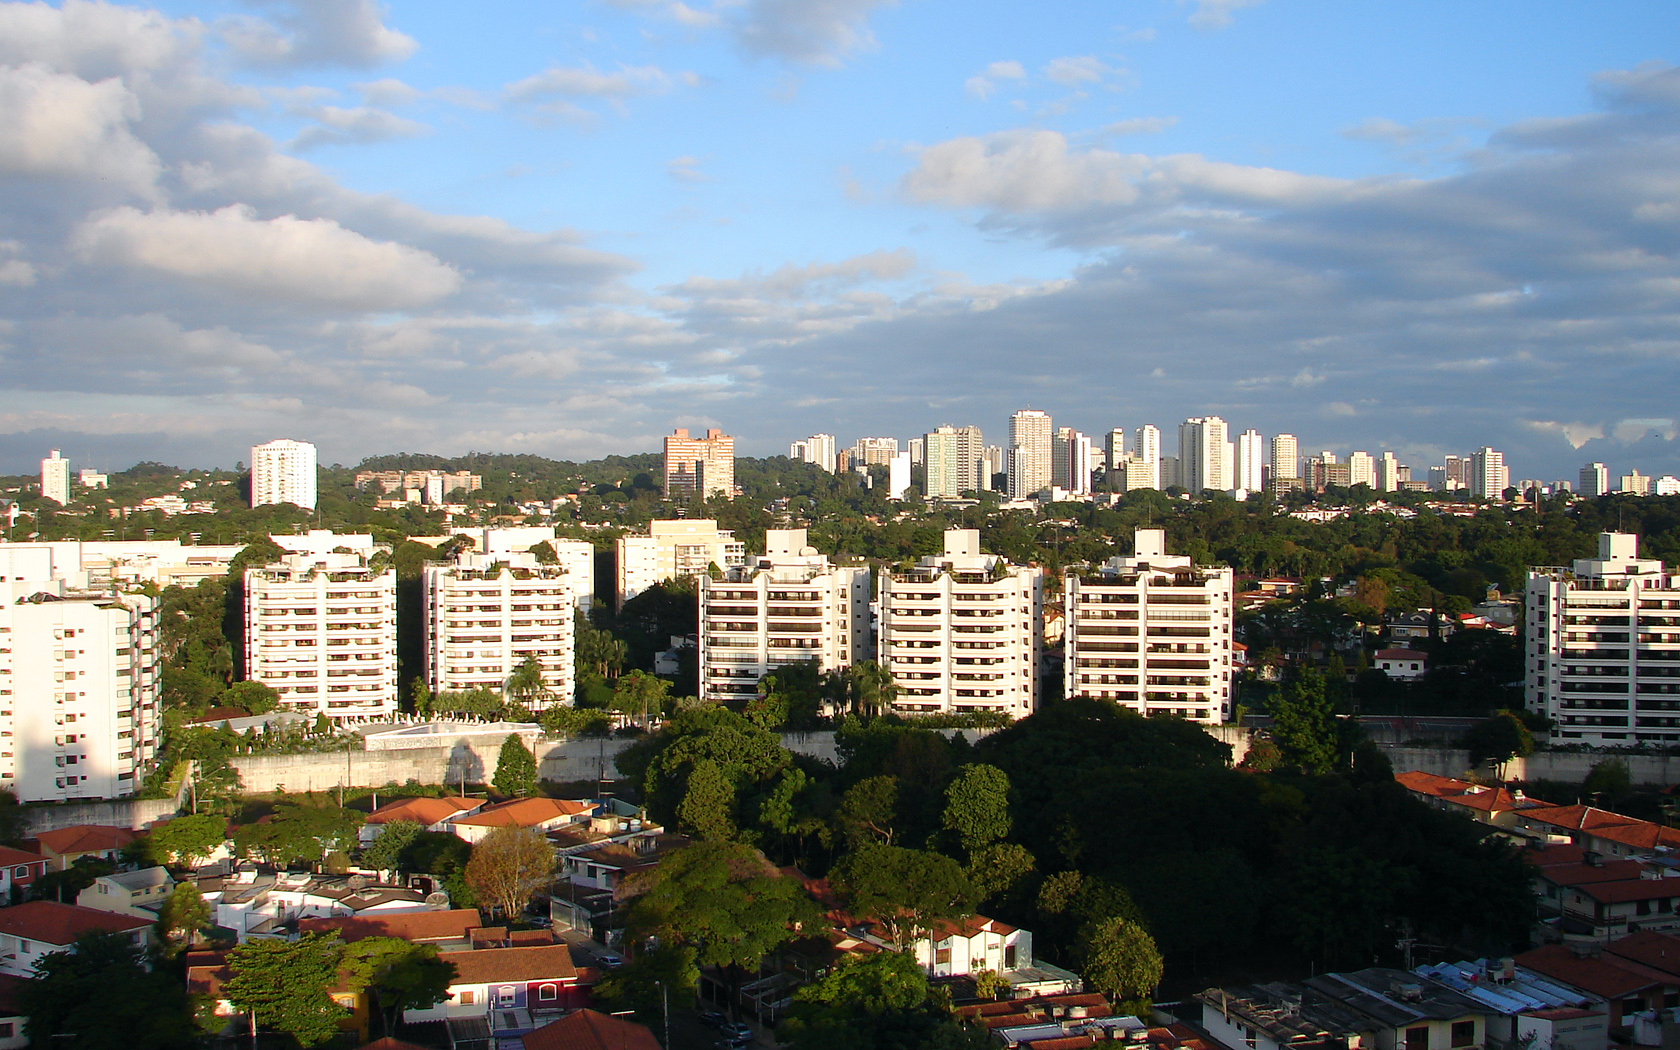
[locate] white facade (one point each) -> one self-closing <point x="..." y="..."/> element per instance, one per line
<point x="92" y="479"/>
<point x="672" y="550"/>
<point x="1488" y="475"/>
<point x="487" y="613"/>
<point x="1362" y="469"/>
<point x="1030" y="438"/>
<point x="79" y="714"/>
<point x="956" y="461"/>
<point x="1205" y="455"/>
<point x="321" y="630"/>
<point x="1388" y="473"/>
<point x="577" y="557"/>
<point x="1114" y="449"/>
<point x="1136" y="474"/>
<point x="55" y="478"/>
<point x="787" y="607"/>
<point x="703" y="466"/>
<point x="874" y="451"/>
<point x="818" y="449"/>
<point x="1251" y="461"/>
<point x="1595" y="480"/>
<point x="1151" y="633"/>
<point x="283" y="472"/>
<point x="898" y="475"/>
<point x="1286" y="456"/>
<point x="963" y="631"/>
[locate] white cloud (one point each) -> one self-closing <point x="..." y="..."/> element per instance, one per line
<point x="62" y="126"/>
<point x="285" y="258"/>
<point x="318" y="32"/>
<point x="388" y="91"/>
<point x="588" y="82"/>
<point x="360" y="124"/>
<point x="810" y="32"/>
<point x="981" y="86"/>
<point x="1139" y="126"/>
<point x="686" y="169"/>
<point x="1215" y="14"/>
<point x="1071" y="71"/>
<point x="94" y="40"/>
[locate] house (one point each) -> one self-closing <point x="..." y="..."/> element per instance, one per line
<point x="137" y="894"/>
<point x="432" y="814"/>
<point x="1513" y="991"/>
<point x="590" y="1030"/>
<point x="66" y="846"/>
<point x="1601" y="831"/>
<point x="254" y="904"/>
<point x="1074" y="1022"/>
<point x="12" y="1020"/>
<point x="446" y="930"/>
<point x="961" y="947"/>
<point x="507" y="989"/>
<point x="544" y="814"/>
<point x="1489" y="805"/>
<point x="35" y="929"/>
<point x="1404" y="664"/>
<point x="1563" y="1028"/>
<point x="1621" y="986"/>
<point x="18" y="869"/>
<point x="1377" y="1007"/>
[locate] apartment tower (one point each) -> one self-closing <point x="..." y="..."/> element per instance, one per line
<point x="283" y="471"/>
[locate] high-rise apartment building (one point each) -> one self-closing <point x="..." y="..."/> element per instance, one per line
<point x="1071" y="461"/>
<point x="1488" y="475"/>
<point x="963" y="631"/>
<point x="997" y="462"/>
<point x="1136" y="474"/>
<point x="1286" y="457"/>
<point x="699" y="466"/>
<point x="1114" y="449"/>
<point x="321" y="630"/>
<point x="55" y="478"/>
<point x="788" y="606"/>
<point x="487" y="613"/>
<point x="1388" y="473"/>
<point x="283" y="471"/>
<point x="874" y="451"/>
<point x="1362" y="469"/>
<point x="1251" y="461"/>
<point x="818" y="449"/>
<point x="1204" y="455"/>
<point x="1151" y="633"/>
<point x="1603" y="647"/>
<point x="918" y="452"/>
<point x="575" y="557"/>
<point x="673" y="550"/>
<point x="1030" y="454"/>
<point x="956" y="461"/>
<point x="1146" y="449"/>
<point x="1634" y="484"/>
<point x="1595" y="480"/>
<point x="898" y="475"/>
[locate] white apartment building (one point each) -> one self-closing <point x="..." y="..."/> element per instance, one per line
<point x="703" y="466"/>
<point x="1488" y="477"/>
<point x="818" y="449"/>
<point x="576" y="557"/>
<point x="1251" y="461"/>
<point x="956" y="462"/>
<point x="283" y="471"/>
<point x="55" y="478"/>
<point x="1634" y="484"/>
<point x="1114" y="449"/>
<point x="486" y="613"/>
<point x="874" y="451"/>
<point x="963" y="631"/>
<point x="1603" y="647"/>
<point x="1595" y="480"/>
<point x="79" y="712"/>
<point x="674" y="549"/>
<point x="1073" y="460"/>
<point x="1205" y="455"/>
<point x="1030" y="439"/>
<point x="1136" y="474"/>
<point x="1286" y="456"/>
<point x="787" y="607"/>
<point x="1388" y="473"/>
<point x="1362" y="469"/>
<point x="89" y="478"/>
<point x="1151" y="633"/>
<point x="321" y="630"/>
<point x="898" y="475"/>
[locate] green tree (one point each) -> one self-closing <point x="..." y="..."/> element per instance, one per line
<point x="639" y="692"/>
<point x="442" y="855"/>
<point x="1120" y="960"/>
<point x="516" y="768"/>
<point x="102" y="996"/>
<point x="869" y="812"/>
<point x="254" y="697"/>
<point x="385" y="852"/>
<point x="1607" y="781"/>
<point x="977" y="807"/>
<point x="1498" y="740"/>
<point x="1304" y="724"/>
<point x="183" y="915"/>
<point x="286" y="986"/>
<point x="651" y="980"/>
<point x="526" y="684"/>
<point x="997" y="870"/>
<point x="706" y="805"/>
<point x="872" y="687"/>
<point x="905" y="890"/>
<point x="399" y="976"/>
<point x="189" y="838"/>
<point x="508" y="866"/>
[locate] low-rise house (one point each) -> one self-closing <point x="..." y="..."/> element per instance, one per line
<point x="544" y="814"/>
<point x="507" y="989"/>
<point x="65" y="846"/>
<point x="1414" y="626"/>
<point x="138" y="894"/>
<point x="433" y="814"/>
<point x="12" y="1020"/>
<point x="254" y="904"/>
<point x="962" y="947"/>
<point x="35" y="929"/>
<point x="1074" y="1021"/>
<point x="18" y="869"/>
<point x="590" y="1030"/>
<point x="1610" y="834"/>
<point x="1563" y="1028"/>
<point x="1622" y="987"/>
<point x="446" y="930"/>
<point x="1403" y="664"/>
<point x="1378" y="1008"/>
<point x="1490" y="805"/>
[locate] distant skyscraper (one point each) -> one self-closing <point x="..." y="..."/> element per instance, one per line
<point x="1146" y="448"/>
<point x="283" y="471"/>
<point x="1204" y="455"/>
<point x="1251" y="461"/>
<point x="1388" y="473"/>
<point x="997" y="462"/>
<point x="1489" y="477"/>
<point x="1029" y="453"/>
<point x="1286" y="457"/>
<point x="1114" y="449"/>
<point x="818" y="449"/>
<point x="55" y="478"/>
<point x="1362" y="469"/>
<point x="898" y="475"/>
<point x="874" y="451"/>
<point x="1595" y="479"/>
<point x="918" y="452"/>
<point x="699" y="465"/>
<point x="956" y="461"/>
<point x="1071" y="465"/>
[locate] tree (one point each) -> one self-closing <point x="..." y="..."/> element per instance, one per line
<point x="186" y="839"/>
<point x="285" y="986"/>
<point x="868" y="812"/>
<point x="997" y="869"/>
<point x="872" y="687"/>
<point x="1120" y="959"/>
<point x="63" y="886"/>
<point x="183" y="914"/>
<point x="977" y="807"/>
<point x="1304" y="724"/>
<point x="508" y="866"/>
<point x="516" y="768"/>
<point x="384" y="853"/>
<point x="650" y="980"/>
<point x="905" y="890"/>
<point x="1498" y="740"/>
<point x="253" y="697"/>
<point x="440" y="854"/>
<point x="638" y="692"/>
<point x="400" y="975"/>
<point x="1607" y="781"/>
<point x="103" y="997"/>
<point x="526" y="682"/>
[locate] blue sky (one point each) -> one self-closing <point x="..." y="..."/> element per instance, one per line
<point x="566" y="228"/>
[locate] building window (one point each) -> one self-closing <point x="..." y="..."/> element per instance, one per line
<point x="548" y="993"/>
<point x="6" y="1030"/>
<point x="1009" y="957"/>
<point x="506" y="994"/>
<point x="1464" y="1033"/>
<point x="466" y="998"/>
<point x="1417" y="1038"/>
<point x="942" y="955"/>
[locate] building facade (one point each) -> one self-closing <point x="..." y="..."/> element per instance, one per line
<point x="956" y="462"/>
<point x="1205" y="455"/>
<point x="1603" y="647"/>
<point x="487" y="613"/>
<point x="963" y="631"/>
<point x="874" y="451"/>
<point x="321" y="630"/>
<point x="1030" y="438"/>
<point x="1488" y="477"/>
<point x="1151" y="633"/>
<point x="789" y="606"/>
<point x="672" y="550"/>
<point x="818" y="449"/>
<point x="55" y="478"/>
<point x="1286" y="456"/>
<point x="699" y="466"/>
<point x="1251" y="461"/>
<point x="1595" y="480"/>
<point x="283" y="471"/>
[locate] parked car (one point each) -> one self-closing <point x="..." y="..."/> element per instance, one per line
<point x="713" y="1018"/>
<point x="736" y="1032"/>
<point x="733" y="1043"/>
<point x="608" y="961"/>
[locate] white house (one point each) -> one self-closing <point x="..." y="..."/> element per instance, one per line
<point x="1404" y="664"/>
<point x="35" y="929"/>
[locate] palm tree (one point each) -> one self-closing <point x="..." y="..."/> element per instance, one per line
<point x="526" y="681"/>
<point x="873" y="688"/>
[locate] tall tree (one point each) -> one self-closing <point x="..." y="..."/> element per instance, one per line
<point x="526" y="684"/>
<point x="399" y="975"/>
<point x="872" y="687"/>
<point x="977" y="807"/>
<point x="385" y="852"/>
<point x="508" y="866"/>
<point x="186" y="839"/>
<point x="905" y="890"/>
<point x="1304" y="723"/>
<point x="1120" y="959"/>
<point x="183" y="914"/>
<point x="102" y="996"/>
<point x="286" y="986"/>
<point x="516" y="768"/>
<point x="638" y="692"/>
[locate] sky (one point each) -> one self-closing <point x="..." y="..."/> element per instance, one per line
<point x="567" y="228"/>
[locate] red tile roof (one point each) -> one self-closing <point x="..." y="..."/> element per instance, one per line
<point x="1464" y="793"/>
<point x="1605" y="978"/>
<point x="85" y="838"/>
<point x="1588" y="874"/>
<point x="407" y="925"/>
<point x="526" y="812"/>
<point x="589" y="1030"/>
<point x="60" y="924"/>
<point x="544" y="962"/>
<point x="10" y="857"/>
<point x="1631" y="890"/>
<point x="1651" y="948"/>
<point x="424" y="811"/>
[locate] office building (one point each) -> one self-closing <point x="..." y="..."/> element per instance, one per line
<point x="1389" y="473"/>
<point x="1204" y="455"/>
<point x="1595" y="480"/>
<point x="1251" y="461"/>
<point x="956" y="462"/>
<point x="55" y="479"/>
<point x="1151" y="633"/>
<point x="788" y="606"/>
<point x="1146" y="449"/>
<point x="1286" y="457"/>
<point x="963" y="631"/>
<point x="321" y="630"/>
<point x="1114" y="449"/>
<point x="1071" y="461"/>
<point x="1634" y="484"/>
<point x="818" y="449"/>
<point x="673" y="550"/>
<point x="487" y="613"/>
<point x="1488" y="475"/>
<point x="1030" y="440"/>
<point x="1362" y="469"/>
<point x="283" y="471"/>
<point x="699" y="466"/>
<point x="874" y="451"/>
<point x="1603" y="647"/>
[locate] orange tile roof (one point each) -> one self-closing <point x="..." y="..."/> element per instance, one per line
<point x="589" y="1030"/>
<point x="451" y="925"/>
<point x="969" y="927"/>
<point x="1651" y="948"/>
<point x="1606" y="978"/>
<point x="60" y="924"/>
<point x="10" y="857"/>
<point x="525" y="812"/>
<point x="85" y="838"/>
<point x="424" y="811"/>
<point x="1631" y="890"/>
<point x="545" y="962"/>
<point x="1588" y="874"/>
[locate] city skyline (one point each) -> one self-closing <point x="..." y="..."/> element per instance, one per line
<point x="571" y="229"/>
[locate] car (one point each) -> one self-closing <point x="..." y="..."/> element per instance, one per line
<point x="541" y="922"/>
<point x="729" y="1043"/>
<point x="736" y="1032"/>
<point x="713" y="1018"/>
<point x="608" y="961"/>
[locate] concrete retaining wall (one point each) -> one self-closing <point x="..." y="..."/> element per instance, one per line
<point x="446" y="764"/>
<point x="131" y="813"/>
<point x="1567" y="766"/>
